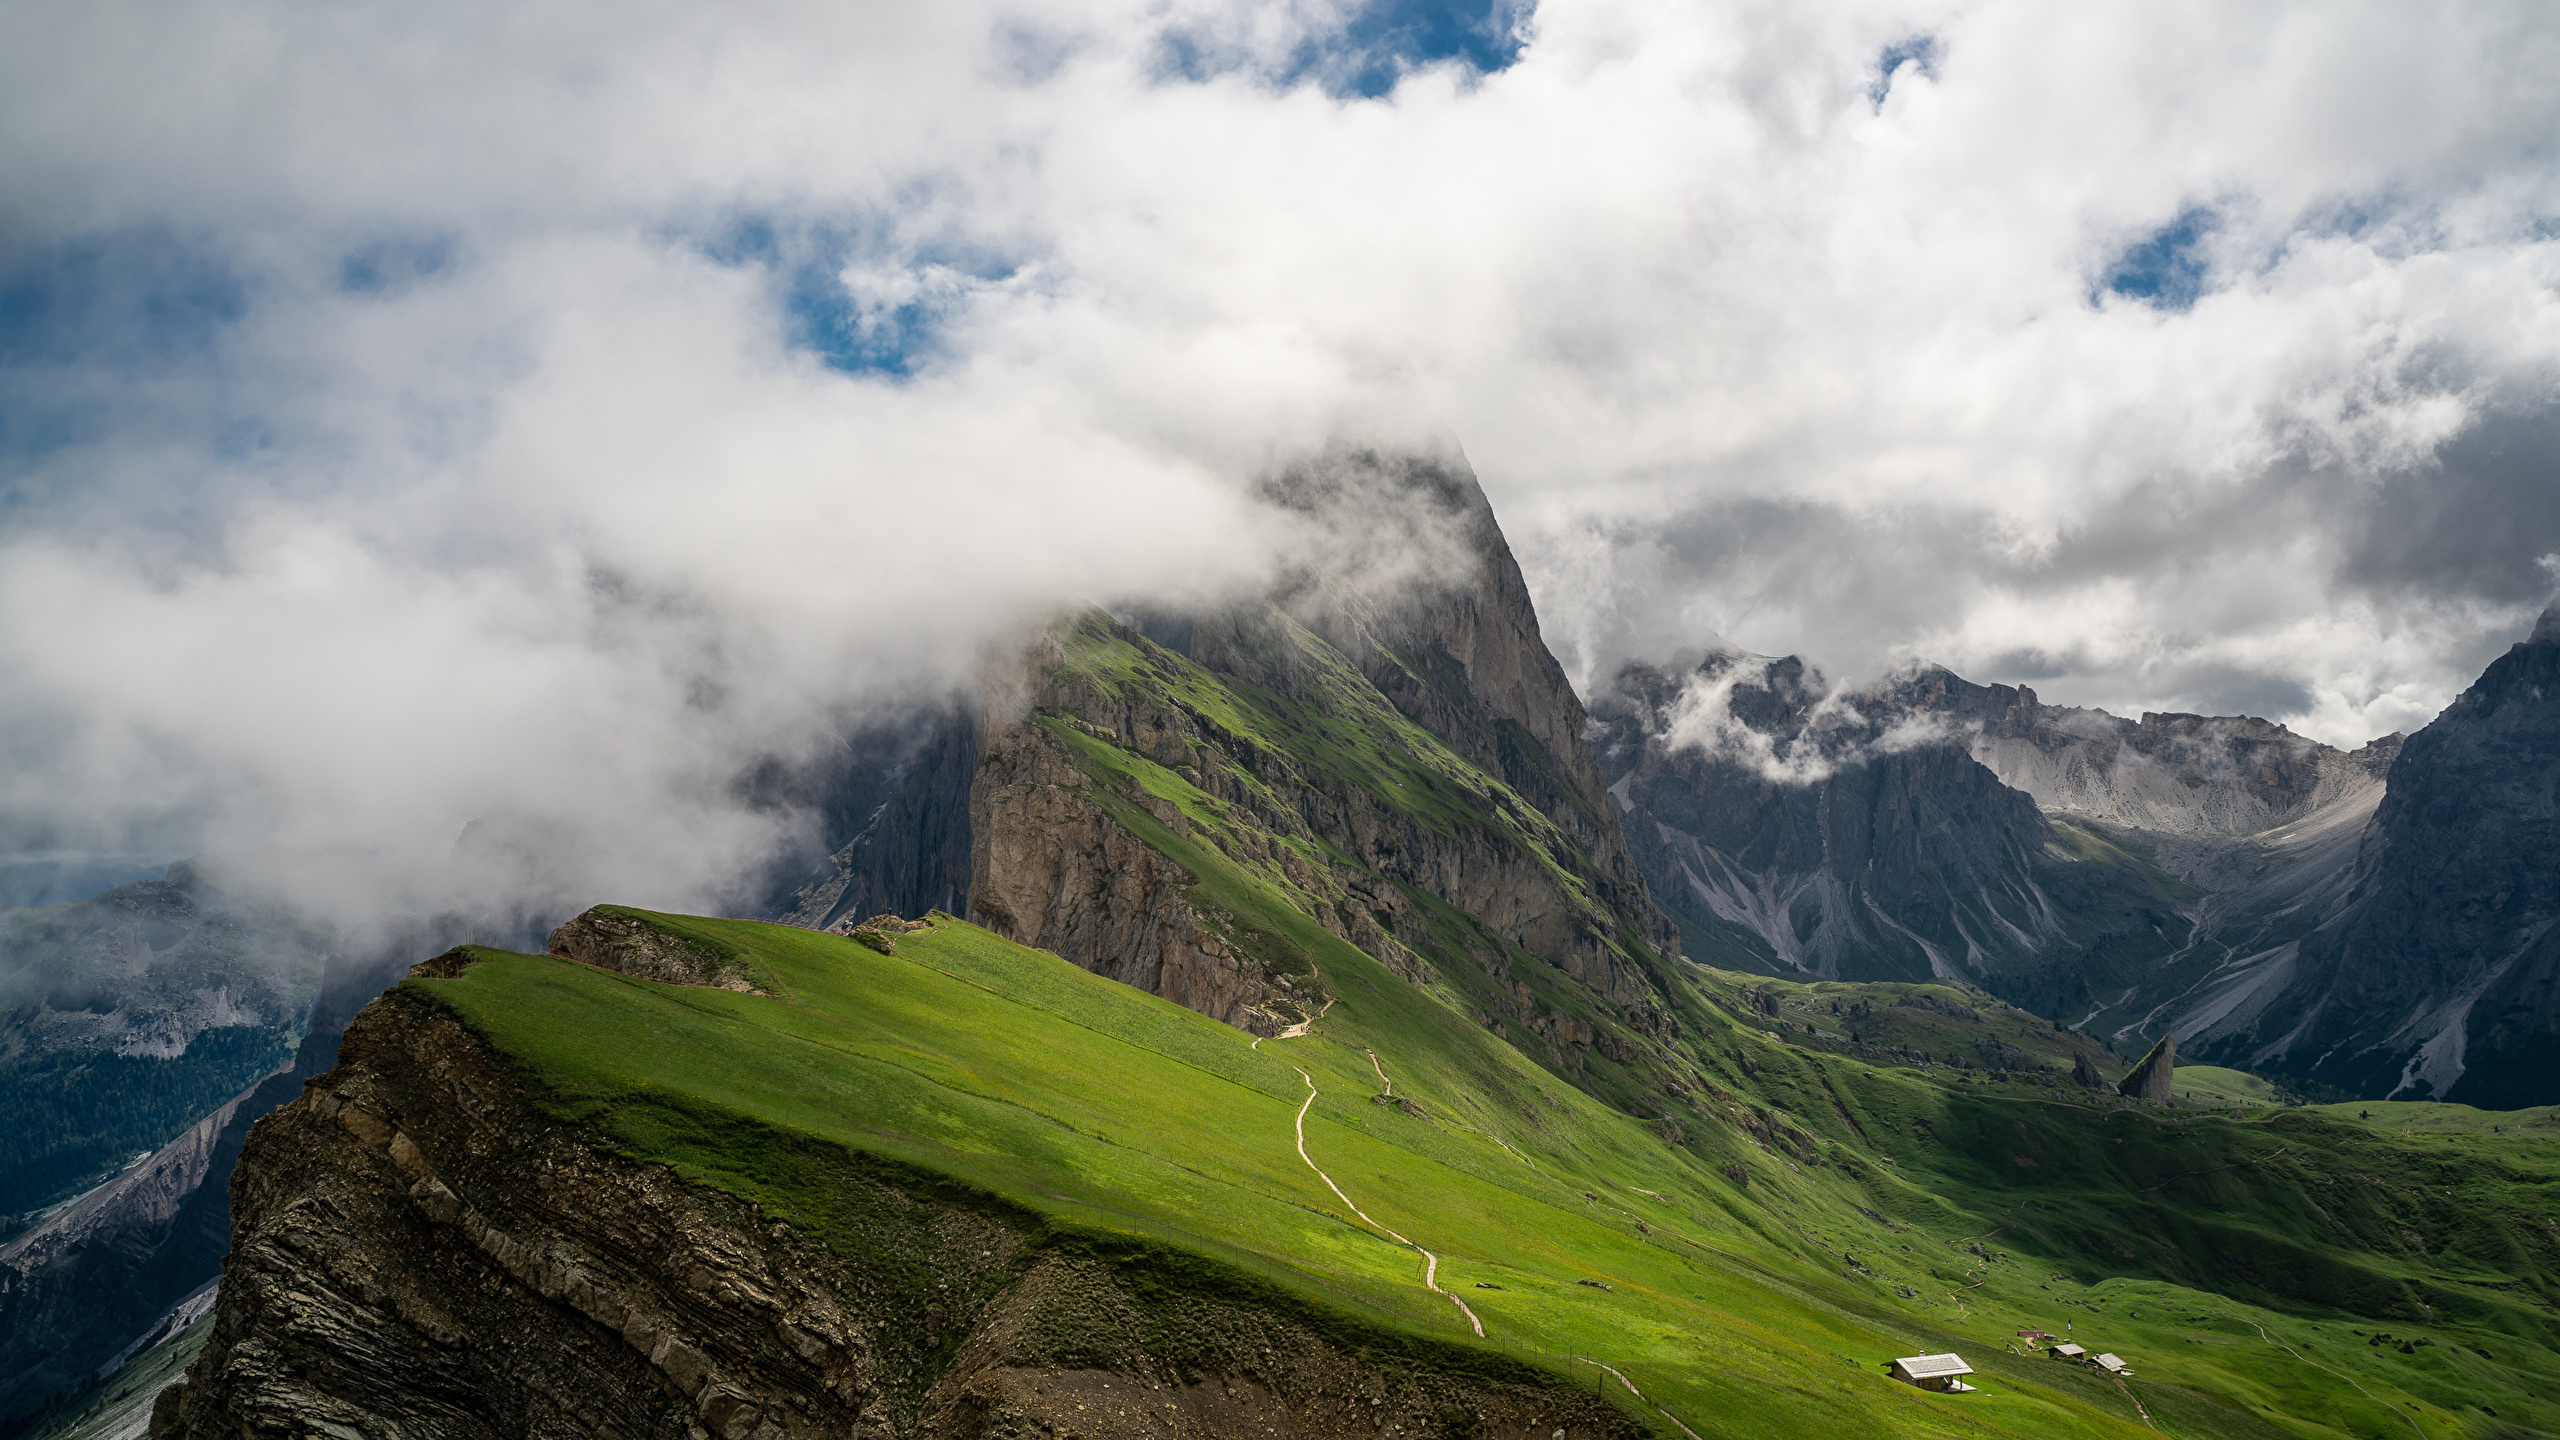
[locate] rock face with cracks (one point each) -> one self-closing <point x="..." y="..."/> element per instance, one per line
<point x="610" y="939"/>
<point x="420" y="1253"/>
<point x="1374" y="749"/>
<point x="1056" y="871"/>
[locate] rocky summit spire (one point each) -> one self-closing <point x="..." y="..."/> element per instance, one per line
<point x="2150" y="1079"/>
<point x="2546" y="631"/>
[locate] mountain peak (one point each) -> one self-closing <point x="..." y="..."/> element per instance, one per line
<point x="2546" y="631"/>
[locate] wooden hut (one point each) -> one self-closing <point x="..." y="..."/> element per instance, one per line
<point x="2110" y="1364"/>
<point x="2066" y="1351"/>
<point x="1933" y="1372"/>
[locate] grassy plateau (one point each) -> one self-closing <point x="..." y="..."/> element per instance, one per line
<point x="1746" y="1261"/>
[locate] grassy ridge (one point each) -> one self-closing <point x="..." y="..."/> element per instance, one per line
<point x="1744" y="1193"/>
<point x="1880" y="1128"/>
<point x="1112" y="1112"/>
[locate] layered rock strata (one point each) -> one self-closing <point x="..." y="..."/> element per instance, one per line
<point x="611" y="938"/>
<point x="1385" y="739"/>
<point x="421" y="1253"/>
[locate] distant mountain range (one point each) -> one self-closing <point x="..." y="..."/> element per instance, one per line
<point x="1196" y="805"/>
<point x="2373" y="923"/>
<point x="1455" y="1120"/>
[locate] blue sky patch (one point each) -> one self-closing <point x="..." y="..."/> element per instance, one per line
<point x="888" y="320"/>
<point x="131" y="298"/>
<point x="1920" y="52"/>
<point x="2168" y="268"/>
<point x="1375" y="46"/>
<point x="82" y="320"/>
<point x="388" y="267"/>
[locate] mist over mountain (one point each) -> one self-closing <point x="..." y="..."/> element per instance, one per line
<point x="2432" y="971"/>
<point x="834" y="467"/>
<point x="2367" y="921"/>
<point x="1796" y="830"/>
<point x="1364" y="798"/>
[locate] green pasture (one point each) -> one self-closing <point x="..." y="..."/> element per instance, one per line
<point x="1736" y="1307"/>
<point x="2215" y="1085"/>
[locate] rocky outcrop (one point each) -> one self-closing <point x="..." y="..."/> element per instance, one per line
<point x="2151" y="1078"/>
<point x="612" y="938"/>
<point x="1373" y="742"/>
<point x="422" y="1254"/>
<point x="1054" y="869"/>
<point x="893" y="809"/>
<point x="882" y="932"/>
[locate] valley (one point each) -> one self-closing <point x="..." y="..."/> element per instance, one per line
<point x="1301" y="1014"/>
<point x="1746" y="1261"/>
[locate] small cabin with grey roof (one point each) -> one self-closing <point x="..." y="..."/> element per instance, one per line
<point x="1933" y="1372"/>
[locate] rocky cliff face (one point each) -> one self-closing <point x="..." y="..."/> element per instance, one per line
<point x="421" y="1253"/>
<point x="2437" y="973"/>
<point x="893" y="813"/>
<point x="1858" y="837"/>
<point x="1341" y="808"/>
<point x="1381" y="747"/>
<point x="1054" y="868"/>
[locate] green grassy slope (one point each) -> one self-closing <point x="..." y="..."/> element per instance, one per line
<point x="1899" y="1123"/>
<point x="1764" y="1249"/>
<point x="2216" y="1085"/>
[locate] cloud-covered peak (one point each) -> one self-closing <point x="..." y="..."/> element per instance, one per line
<point x="413" y="415"/>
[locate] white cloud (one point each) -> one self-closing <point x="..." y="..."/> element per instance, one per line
<point x="1735" y="348"/>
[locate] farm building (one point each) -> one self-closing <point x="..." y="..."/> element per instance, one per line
<point x="2110" y="1364"/>
<point x="2067" y="1351"/>
<point x="1933" y="1372"/>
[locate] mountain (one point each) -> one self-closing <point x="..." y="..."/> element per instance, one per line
<point x="1395" y="760"/>
<point x="127" y="1016"/>
<point x="1309" y="1058"/>
<point x="936" y="1184"/>
<point x="1795" y="830"/>
<point x="2376" y="922"/>
<point x="2433" y="970"/>
<point x="148" y="1028"/>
